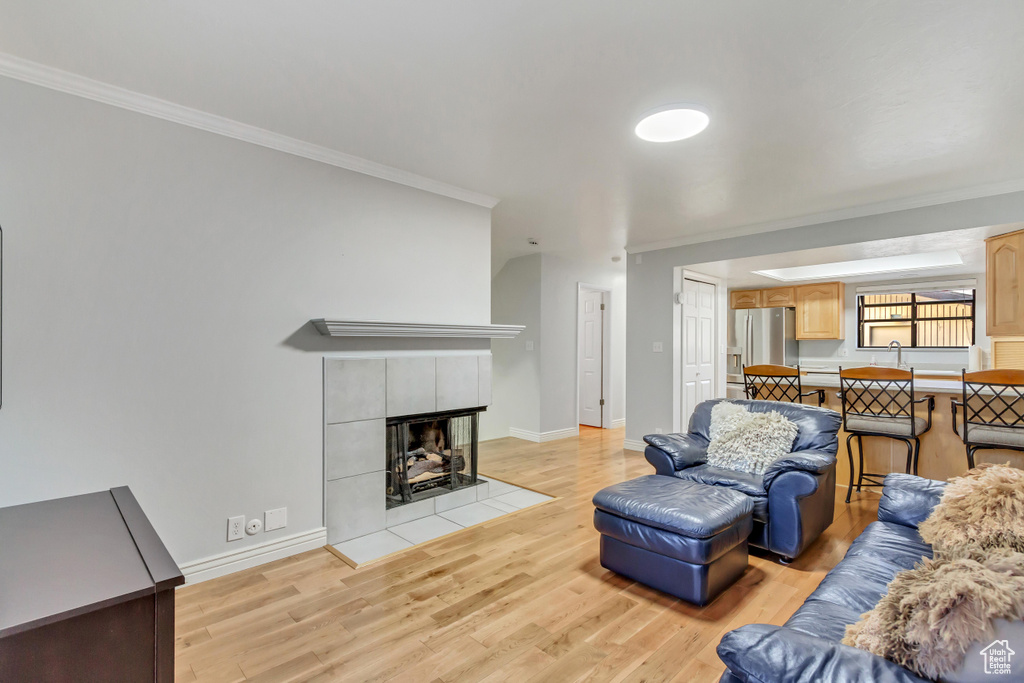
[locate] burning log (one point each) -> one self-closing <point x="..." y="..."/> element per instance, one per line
<point x="433" y="463"/>
<point x="425" y="476"/>
<point x="424" y="466"/>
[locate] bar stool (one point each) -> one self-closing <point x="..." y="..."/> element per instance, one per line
<point x="880" y="402"/>
<point x="993" y="407"/>
<point x="777" y="383"/>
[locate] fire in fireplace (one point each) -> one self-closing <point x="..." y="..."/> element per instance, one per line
<point x="428" y="455"/>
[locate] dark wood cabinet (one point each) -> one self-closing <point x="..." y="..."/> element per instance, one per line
<point x="86" y="592"/>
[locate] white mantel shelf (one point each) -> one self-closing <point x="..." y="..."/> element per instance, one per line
<point x="377" y="328"/>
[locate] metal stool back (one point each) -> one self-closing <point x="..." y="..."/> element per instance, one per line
<point x="777" y="383"/>
<point x="881" y="402"/>
<point x="993" y="411"/>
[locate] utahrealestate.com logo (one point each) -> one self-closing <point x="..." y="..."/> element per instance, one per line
<point x="997" y="656"/>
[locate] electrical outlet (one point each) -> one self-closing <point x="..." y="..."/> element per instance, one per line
<point x="843" y="352"/>
<point x="658" y="347"/>
<point x="254" y="526"/>
<point x="639" y="259"/>
<point x="529" y="346"/>
<point x="657" y="430"/>
<point x="236" y="528"/>
<point x="275" y="519"/>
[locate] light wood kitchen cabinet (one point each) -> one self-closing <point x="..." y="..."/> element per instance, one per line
<point x="745" y="298"/>
<point x="1004" y="261"/>
<point x="820" y="310"/>
<point x="820" y="307"/>
<point x="778" y="297"/>
<point x="1008" y="353"/>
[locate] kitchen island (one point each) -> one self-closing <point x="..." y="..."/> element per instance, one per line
<point x="942" y="452"/>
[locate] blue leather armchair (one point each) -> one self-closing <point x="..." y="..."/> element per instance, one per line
<point x="793" y="500"/>
<point x="807" y="649"/>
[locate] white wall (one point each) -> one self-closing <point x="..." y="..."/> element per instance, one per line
<point x="829" y="349"/>
<point x="535" y="391"/>
<point x="559" y="290"/>
<point x="649" y="284"/>
<point x="158" y="283"/>
<point x="515" y="389"/>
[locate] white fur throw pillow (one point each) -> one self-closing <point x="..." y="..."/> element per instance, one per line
<point x="748" y="442"/>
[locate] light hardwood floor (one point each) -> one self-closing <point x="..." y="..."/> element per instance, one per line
<point x="520" y="598"/>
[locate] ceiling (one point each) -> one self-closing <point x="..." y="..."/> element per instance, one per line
<point x="970" y="244"/>
<point x="816" y="106"/>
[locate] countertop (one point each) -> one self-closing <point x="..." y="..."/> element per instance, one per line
<point x="823" y="370"/>
<point x="927" y="377"/>
<point x="831" y="380"/>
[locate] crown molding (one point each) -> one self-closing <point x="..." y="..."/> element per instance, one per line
<point x="377" y="328"/>
<point x="97" y="91"/>
<point x="862" y="211"/>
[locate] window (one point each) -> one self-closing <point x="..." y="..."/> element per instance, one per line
<point x="939" y="319"/>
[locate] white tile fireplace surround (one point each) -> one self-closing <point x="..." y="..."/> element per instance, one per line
<point x="360" y="394"/>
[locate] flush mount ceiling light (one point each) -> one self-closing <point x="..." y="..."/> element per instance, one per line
<point x="673" y="122"/>
<point x="868" y="266"/>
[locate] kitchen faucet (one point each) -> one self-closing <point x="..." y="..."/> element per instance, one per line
<point x="899" y="353"/>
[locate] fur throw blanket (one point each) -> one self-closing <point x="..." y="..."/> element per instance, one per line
<point x="932" y="613"/>
<point x="981" y="510"/>
<point x="748" y="442"/>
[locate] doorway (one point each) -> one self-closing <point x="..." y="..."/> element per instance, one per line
<point x="592" y="355"/>
<point x="699" y="319"/>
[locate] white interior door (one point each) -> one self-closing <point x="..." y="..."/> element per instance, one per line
<point x="591" y="357"/>
<point x="698" y="352"/>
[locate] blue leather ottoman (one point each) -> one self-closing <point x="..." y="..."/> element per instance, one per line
<point x="683" y="538"/>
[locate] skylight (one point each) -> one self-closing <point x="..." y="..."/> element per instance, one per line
<point x="672" y="123"/>
<point x="868" y="266"/>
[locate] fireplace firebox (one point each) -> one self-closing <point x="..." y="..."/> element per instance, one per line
<point x="430" y="455"/>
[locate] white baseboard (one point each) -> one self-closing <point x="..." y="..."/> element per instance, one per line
<point x="559" y="434"/>
<point x="253" y="555"/>
<point x="631" y="445"/>
<point x="543" y="437"/>
<point x="620" y="422"/>
<point x="524" y="434"/>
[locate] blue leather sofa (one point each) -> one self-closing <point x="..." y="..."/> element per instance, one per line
<point x="807" y="648"/>
<point x="795" y="498"/>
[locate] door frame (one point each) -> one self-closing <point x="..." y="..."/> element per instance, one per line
<point x="606" y="356"/>
<point x="679" y="275"/>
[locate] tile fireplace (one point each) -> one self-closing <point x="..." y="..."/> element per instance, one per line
<point x="400" y="437"/>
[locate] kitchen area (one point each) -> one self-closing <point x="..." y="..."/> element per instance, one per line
<point x="937" y="305"/>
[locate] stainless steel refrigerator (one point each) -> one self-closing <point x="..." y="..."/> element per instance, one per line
<point x="758" y="336"/>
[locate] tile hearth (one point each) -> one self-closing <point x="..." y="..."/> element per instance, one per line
<point x="494" y="499"/>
